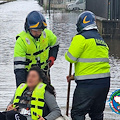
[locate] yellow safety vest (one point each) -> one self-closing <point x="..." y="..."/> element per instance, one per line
<point x="37" y="51"/>
<point x="90" y="57"/>
<point x="37" y="101"/>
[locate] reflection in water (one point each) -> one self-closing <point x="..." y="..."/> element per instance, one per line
<point x="64" y="27"/>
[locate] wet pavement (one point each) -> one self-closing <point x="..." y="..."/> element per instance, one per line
<point x="12" y="17"/>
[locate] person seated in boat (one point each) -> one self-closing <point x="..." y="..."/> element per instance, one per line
<point x="33" y="100"/>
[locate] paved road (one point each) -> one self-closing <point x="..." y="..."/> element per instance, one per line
<point x="12" y="17"/>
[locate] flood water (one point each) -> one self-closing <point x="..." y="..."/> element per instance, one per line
<point x="12" y="17"/>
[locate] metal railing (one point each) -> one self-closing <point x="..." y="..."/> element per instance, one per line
<point x="109" y="9"/>
<point x="99" y="7"/>
<point x="114" y="9"/>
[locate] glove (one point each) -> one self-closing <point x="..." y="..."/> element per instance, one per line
<point x="51" y="60"/>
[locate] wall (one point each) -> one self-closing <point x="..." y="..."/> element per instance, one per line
<point x="109" y="28"/>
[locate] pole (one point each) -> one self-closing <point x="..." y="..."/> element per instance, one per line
<point x="49" y="7"/>
<point x="108" y="15"/>
<point x="68" y="92"/>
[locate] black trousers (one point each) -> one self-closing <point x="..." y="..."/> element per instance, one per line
<point x="90" y="97"/>
<point x="11" y="115"/>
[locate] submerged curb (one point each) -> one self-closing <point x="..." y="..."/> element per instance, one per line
<point x="3" y="2"/>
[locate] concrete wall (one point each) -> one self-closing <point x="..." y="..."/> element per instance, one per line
<point x="109" y="28"/>
<point x="45" y="3"/>
<point x="58" y="4"/>
<point x="59" y="1"/>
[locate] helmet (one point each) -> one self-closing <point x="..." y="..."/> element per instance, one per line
<point x="86" y="21"/>
<point x="35" y="20"/>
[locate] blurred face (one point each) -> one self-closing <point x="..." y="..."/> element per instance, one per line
<point x="33" y="79"/>
<point x="36" y="32"/>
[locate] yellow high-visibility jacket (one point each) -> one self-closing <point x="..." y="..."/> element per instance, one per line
<point x="29" y="52"/>
<point x="90" y="54"/>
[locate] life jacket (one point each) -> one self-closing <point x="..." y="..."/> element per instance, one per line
<point x="37" y="99"/>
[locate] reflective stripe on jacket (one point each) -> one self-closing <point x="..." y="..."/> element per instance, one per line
<point x="29" y="52"/>
<point x="37" y="99"/>
<point x="89" y="52"/>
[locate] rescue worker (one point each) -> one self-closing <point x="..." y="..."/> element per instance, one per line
<point x="36" y="46"/>
<point x="89" y="52"/>
<point x="34" y="100"/>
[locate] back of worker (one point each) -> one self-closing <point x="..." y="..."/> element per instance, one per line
<point x="93" y="51"/>
<point x="90" y="54"/>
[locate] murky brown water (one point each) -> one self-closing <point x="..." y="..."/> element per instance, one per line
<point x="12" y="16"/>
<point x="114" y="46"/>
